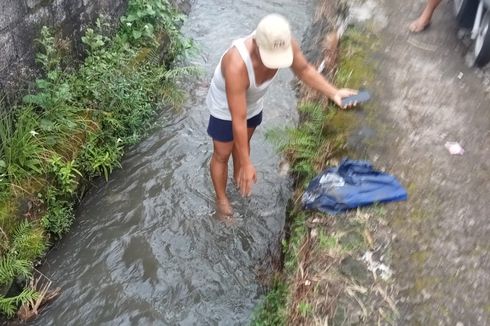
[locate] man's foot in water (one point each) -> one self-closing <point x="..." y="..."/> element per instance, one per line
<point x="223" y="208"/>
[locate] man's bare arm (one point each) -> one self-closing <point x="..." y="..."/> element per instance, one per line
<point x="311" y="77"/>
<point x="236" y="82"/>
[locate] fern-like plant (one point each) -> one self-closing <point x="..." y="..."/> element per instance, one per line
<point x="11" y="267"/>
<point x="8" y="306"/>
<point x="59" y="218"/>
<point x="28" y="241"/>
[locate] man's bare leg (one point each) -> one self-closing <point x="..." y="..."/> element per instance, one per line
<point x="219" y="176"/>
<point x="425" y="17"/>
<point x="236" y="162"/>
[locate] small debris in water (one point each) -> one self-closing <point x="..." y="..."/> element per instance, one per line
<point x="454" y="148"/>
<point x="283" y="168"/>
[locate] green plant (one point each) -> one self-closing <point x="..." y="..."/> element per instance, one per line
<point x="122" y="85"/>
<point x="326" y="241"/>
<point x="94" y="40"/>
<point x="48" y="57"/>
<point x="22" y="153"/>
<point x="11" y="267"/>
<point x="147" y="21"/>
<point x="28" y="241"/>
<point x="8" y="306"/>
<point x="8" y="221"/>
<point x="271" y="311"/>
<point x="101" y="159"/>
<point x="304" y="308"/>
<point x="293" y="246"/>
<point x="59" y="112"/>
<point x="58" y="218"/>
<point x="66" y="173"/>
<point x="319" y="137"/>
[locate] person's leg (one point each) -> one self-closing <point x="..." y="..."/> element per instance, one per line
<point x="425" y="17"/>
<point x="219" y="175"/>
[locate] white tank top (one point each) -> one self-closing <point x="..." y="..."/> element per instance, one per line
<point x="216" y="99"/>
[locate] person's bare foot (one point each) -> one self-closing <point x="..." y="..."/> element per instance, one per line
<point x="223" y="208"/>
<point x="226" y="220"/>
<point x="419" y="25"/>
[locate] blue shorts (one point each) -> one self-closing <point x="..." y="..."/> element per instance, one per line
<point x="222" y="130"/>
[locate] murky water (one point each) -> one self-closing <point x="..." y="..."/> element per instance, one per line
<point x="146" y="248"/>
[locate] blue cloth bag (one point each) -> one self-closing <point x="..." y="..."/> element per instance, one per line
<point x="352" y="184"/>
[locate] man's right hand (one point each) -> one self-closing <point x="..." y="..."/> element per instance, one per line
<point x="340" y="94"/>
<point x="246" y="178"/>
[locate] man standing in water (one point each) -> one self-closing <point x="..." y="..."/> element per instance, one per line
<point x="235" y="99"/>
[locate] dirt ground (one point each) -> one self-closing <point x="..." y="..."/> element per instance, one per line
<point x="426" y="95"/>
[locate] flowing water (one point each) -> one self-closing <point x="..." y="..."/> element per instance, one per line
<point x="146" y="247"/>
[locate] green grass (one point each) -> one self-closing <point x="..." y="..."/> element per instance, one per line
<point x="272" y="311"/>
<point x="327" y="242"/>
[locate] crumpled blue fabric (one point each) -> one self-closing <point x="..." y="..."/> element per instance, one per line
<point x="350" y="185"/>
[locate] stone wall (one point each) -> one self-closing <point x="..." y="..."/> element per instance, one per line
<point x="21" y="22"/>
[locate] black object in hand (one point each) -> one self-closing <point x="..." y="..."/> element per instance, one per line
<point x="361" y="97"/>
